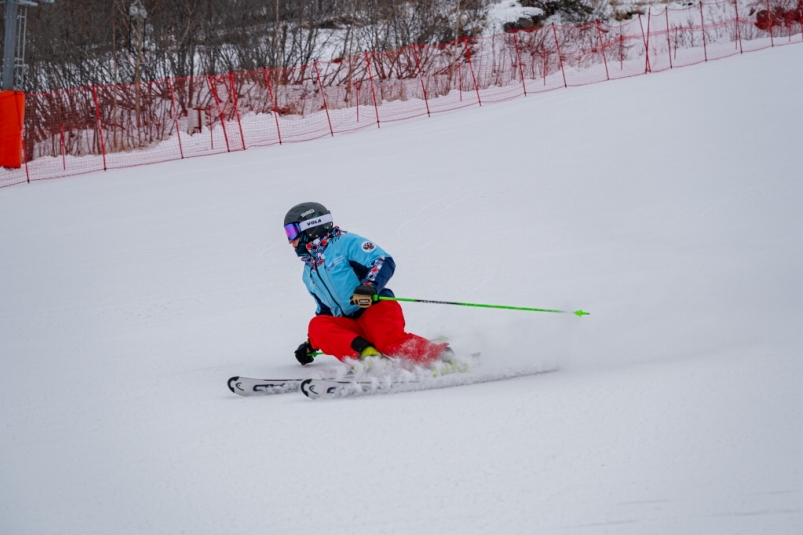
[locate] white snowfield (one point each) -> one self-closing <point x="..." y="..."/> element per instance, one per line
<point x="668" y="206"/>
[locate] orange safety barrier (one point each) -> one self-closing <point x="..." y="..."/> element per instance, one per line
<point x="12" y="119"/>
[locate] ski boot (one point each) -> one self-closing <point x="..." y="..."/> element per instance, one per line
<point x="370" y="356"/>
<point x="447" y="363"/>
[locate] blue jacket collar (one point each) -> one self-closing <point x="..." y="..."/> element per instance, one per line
<point x="313" y="252"/>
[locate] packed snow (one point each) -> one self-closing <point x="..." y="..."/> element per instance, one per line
<point x="667" y="205"/>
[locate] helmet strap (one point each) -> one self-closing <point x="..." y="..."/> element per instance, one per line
<point x="315" y="222"/>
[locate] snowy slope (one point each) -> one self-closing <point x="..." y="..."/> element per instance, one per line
<point x="666" y="205"/>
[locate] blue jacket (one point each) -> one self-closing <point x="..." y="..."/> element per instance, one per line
<point x="336" y="263"/>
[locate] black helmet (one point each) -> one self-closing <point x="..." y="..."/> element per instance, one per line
<point x="309" y="220"/>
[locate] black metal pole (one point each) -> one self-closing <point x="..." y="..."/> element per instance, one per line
<point x="9" y="45"/>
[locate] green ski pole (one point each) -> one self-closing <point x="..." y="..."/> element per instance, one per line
<point x="578" y="313"/>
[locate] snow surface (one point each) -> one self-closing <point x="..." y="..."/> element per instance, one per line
<point x="507" y="11"/>
<point x="668" y="205"/>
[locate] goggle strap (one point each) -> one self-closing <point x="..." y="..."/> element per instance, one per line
<point x="315" y="222"/>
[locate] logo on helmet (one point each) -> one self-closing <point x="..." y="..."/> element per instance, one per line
<point x="308" y="212"/>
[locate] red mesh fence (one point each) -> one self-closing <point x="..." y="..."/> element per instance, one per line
<point x="87" y="129"/>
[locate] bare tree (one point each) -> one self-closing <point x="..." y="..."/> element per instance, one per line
<point x="95" y="42"/>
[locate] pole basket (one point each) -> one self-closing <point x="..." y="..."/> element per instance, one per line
<point x="12" y="117"/>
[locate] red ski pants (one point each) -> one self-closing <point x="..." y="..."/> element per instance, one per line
<point x="382" y="324"/>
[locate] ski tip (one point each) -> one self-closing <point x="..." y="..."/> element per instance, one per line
<point x="307" y="390"/>
<point x="581" y="313"/>
<point x="231" y="383"/>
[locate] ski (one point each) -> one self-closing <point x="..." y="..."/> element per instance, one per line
<point x="248" y="386"/>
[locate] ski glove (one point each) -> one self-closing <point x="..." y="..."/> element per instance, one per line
<point x="304" y="353"/>
<point x="363" y="295"/>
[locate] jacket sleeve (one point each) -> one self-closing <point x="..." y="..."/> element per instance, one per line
<point x="370" y="263"/>
<point x="378" y="273"/>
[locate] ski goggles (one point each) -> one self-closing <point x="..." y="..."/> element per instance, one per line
<point x="293" y="230"/>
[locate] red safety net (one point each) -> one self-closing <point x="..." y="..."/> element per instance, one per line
<point x="88" y="129"/>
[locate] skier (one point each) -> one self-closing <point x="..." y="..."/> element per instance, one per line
<point x="343" y="272"/>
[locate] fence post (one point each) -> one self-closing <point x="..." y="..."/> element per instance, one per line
<point x="471" y="66"/>
<point x="518" y="60"/>
<point x="273" y="102"/>
<point x="420" y="78"/>
<point x="770" y="17"/>
<point x="219" y="113"/>
<point x="100" y="126"/>
<point x="649" y="27"/>
<point x="702" y="21"/>
<point x="236" y="108"/>
<point x="208" y="111"/>
<point x="175" y="116"/>
<point x="668" y="41"/>
<point x="602" y="51"/>
<point x="24" y="152"/>
<point x="560" y="59"/>
<point x="738" y="27"/>
<point x="63" y="150"/>
<point x="799" y="18"/>
<point x="25" y="159"/>
<point x="788" y="24"/>
<point x="373" y="92"/>
<point x="459" y="74"/>
<point x="150" y="119"/>
<point x="676" y="43"/>
<point x="646" y="45"/>
<point x="357" y="91"/>
<point x="323" y="96"/>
